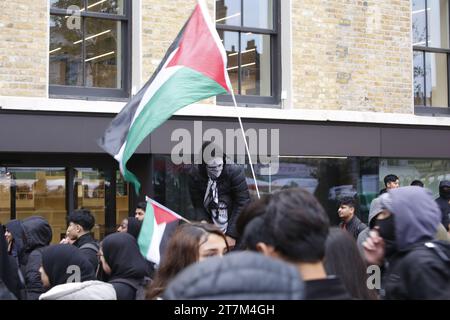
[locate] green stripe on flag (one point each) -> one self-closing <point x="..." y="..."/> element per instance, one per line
<point x="146" y="233"/>
<point x="183" y="88"/>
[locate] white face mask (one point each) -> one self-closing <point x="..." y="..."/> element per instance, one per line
<point x="214" y="168"/>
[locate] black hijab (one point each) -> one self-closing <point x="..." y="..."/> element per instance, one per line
<point x="122" y="254"/>
<point x="134" y="226"/>
<point x="56" y="260"/>
<point x="8" y="270"/>
<point x="16" y="229"/>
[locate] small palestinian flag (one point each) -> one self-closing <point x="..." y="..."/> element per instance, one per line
<point x="193" y="69"/>
<point x="159" y="223"/>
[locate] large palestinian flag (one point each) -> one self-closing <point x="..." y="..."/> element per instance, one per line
<point x="194" y="68"/>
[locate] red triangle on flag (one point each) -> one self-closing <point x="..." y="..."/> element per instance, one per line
<point x="163" y="216"/>
<point x="199" y="51"/>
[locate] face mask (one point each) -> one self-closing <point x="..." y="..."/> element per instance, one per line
<point x="386" y="229"/>
<point x="214" y="168"/>
<point x="445" y="193"/>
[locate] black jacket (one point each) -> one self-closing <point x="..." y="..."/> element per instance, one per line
<point x="9" y="277"/>
<point x="354" y="226"/>
<point x="232" y="188"/>
<point x="122" y="254"/>
<point x="237" y="276"/>
<point x="414" y="270"/>
<point x="16" y="229"/>
<point x="87" y="251"/>
<point x="443" y="203"/>
<point x="330" y="288"/>
<point x="38" y="235"/>
<point x="418" y="274"/>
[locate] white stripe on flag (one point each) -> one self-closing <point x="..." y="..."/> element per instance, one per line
<point x="158" y="232"/>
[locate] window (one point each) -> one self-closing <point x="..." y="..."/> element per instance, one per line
<point x="430" y="29"/>
<point x="89" y="48"/>
<point x="249" y="32"/>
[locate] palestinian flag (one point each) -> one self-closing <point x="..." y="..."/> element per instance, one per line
<point x="193" y="69"/>
<point x="159" y="223"/>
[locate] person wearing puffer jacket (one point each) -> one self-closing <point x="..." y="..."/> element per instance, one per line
<point x="243" y="275"/>
<point x="70" y="276"/>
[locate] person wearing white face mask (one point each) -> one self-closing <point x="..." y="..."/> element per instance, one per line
<point x="218" y="190"/>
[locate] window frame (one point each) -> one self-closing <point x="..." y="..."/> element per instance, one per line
<point x="96" y="93"/>
<point x="424" y="108"/>
<point x="274" y="100"/>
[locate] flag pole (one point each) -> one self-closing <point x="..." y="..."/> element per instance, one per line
<point x="245" y="141"/>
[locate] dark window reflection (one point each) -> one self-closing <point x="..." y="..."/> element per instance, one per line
<point x="64" y="4"/>
<point x="228" y="12"/>
<point x="106" y="6"/>
<point x="327" y="179"/>
<point x="419" y="78"/>
<point x="418" y="23"/>
<point x="65" y="53"/>
<point x="102" y="53"/>
<point x="255" y="64"/>
<point x="231" y="45"/>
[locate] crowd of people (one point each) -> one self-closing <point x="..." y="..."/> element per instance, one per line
<point x="281" y="246"/>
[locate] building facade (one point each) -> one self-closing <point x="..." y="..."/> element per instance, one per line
<point x="345" y="91"/>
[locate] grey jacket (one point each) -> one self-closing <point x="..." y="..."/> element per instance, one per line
<point x="237" y="276"/>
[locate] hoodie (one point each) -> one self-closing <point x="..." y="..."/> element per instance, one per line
<point x="443" y="202"/>
<point x="58" y="261"/>
<point x="87" y="290"/>
<point x="419" y="268"/>
<point x="416" y="216"/>
<point x="122" y="254"/>
<point x="38" y="234"/>
<point x="375" y="209"/>
<point x="16" y="229"/>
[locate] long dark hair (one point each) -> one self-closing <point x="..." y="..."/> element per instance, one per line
<point x="182" y="251"/>
<point x="343" y="259"/>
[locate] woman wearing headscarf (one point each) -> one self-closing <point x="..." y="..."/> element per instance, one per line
<point x="134" y="226"/>
<point x="123" y="264"/>
<point x="70" y="276"/>
<point x="14" y="235"/>
<point x="9" y="280"/>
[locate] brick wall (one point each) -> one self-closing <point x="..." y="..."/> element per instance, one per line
<point x="352" y="55"/>
<point x="23" y="48"/>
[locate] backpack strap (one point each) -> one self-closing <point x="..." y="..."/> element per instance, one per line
<point x="89" y="246"/>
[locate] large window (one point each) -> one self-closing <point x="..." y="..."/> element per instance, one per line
<point x="430" y="30"/>
<point x="89" y="48"/>
<point x="52" y="192"/>
<point x="248" y="30"/>
<point x="327" y="178"/>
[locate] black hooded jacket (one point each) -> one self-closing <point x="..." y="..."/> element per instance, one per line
<point x="417" y="269"/>
<point x="122" y="254"/>
<point x="58" y="261"/>
<point x="86" y="243"/>
<point x="16" y="229"/>
<point x="134" y="226"/>
<point x="443" y="202"/>
<point x="241" y="275"/>
<point x="232" y="188"/>
<point x="9" y="279"/>
<point x="38" y="235"/>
